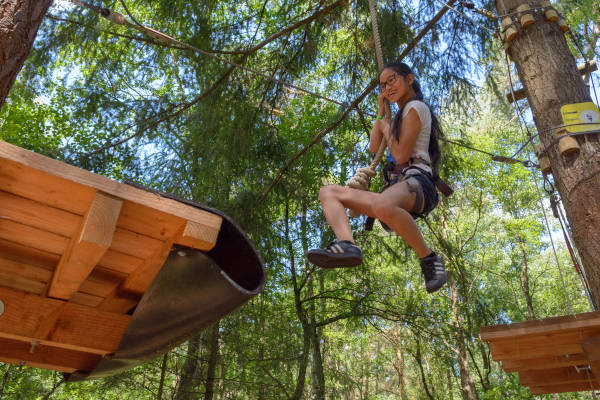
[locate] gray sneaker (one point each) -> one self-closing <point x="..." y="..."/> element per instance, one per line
<point x="434" y="271"/>
<point x="336" y="255"/>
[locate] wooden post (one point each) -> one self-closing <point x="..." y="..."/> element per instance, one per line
<point x="550" y="78"/>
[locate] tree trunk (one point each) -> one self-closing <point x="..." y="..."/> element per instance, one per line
<point x="399" y="364"/>
<point x="300" y="311"/>
<point x="467" y="386"/>
<point x="419" y="361"/>
<point x="188" y="372"/>
<point x="550" y="77"/>
<point x="449" y="376"/>
<point x="525" y="278"/>
<point x="19" y="23"/>
<point x="163" y="370"/>
<point x="317" y="373"/>
<point x="212" y="362"/>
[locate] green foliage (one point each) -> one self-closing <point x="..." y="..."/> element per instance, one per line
<point x="89" y="84"/>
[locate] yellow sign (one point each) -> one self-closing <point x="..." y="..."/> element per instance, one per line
<point x="580" y="117"/>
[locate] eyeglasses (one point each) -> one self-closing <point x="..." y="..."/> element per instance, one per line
<point x="390" y="81"/>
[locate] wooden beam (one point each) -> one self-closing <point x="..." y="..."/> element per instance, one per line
<point x="28" y="255"/>
<point x="554" y="376"/>
<point x="541" y="327"/>
<point x="32" y="237"/>
<point x="540" y="363"/>
<point x="41" y="174"/>
<point x="38" y="215"/>
<point x="194" y="236"/>
<point x="133" y="287"/>
<point x="564" y="387"/>
<point x="56" y="323"/>
<point x="555" y="344"/>
<point x="87" y="247"/>
<point x="584" y="69"/>
<point x="47" y="357"/>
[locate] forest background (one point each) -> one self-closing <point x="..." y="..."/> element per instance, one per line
<point x="131" y="107"/>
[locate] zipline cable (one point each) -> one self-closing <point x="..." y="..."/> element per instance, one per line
<point x="467" y="18"/>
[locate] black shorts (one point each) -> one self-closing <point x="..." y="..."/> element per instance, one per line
<point x="426" y="186"/>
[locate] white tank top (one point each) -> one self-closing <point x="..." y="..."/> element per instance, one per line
<point x="421" y="149"/>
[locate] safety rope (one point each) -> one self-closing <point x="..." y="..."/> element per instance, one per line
<point x="362" y="177"/>
<point x="558" y="213"/>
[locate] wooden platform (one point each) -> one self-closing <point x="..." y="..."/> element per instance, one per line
<point x="77" y="251"/>
<point x="553" y="355"/>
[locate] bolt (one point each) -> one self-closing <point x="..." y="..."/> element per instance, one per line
<point x="181" y="253"/>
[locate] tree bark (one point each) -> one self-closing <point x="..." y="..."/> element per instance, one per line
<point x="190" y="365"/>
<point x="399" y="364"/>
<point x="525" y="278"/>
<point x="300" y="311"/>
<point x="212" y="362"/>
<point x="19" y="23"/>
<point x="419" y="361"/>
<point x="550" y="77"/>
<point x="163" y="370"/>
<point x="467" y="385"/>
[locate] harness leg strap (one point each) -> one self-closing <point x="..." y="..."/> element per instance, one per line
<point x="415" y="187"/>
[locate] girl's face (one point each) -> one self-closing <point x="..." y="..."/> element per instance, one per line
<point x="396" y="87"/>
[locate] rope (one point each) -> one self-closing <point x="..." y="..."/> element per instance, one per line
<point x="362" y="177"/>
<point x="568" y="240"/>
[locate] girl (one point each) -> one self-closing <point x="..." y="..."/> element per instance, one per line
<point x="410" y="192"/>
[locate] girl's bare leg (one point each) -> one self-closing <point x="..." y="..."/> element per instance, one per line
<point x="335" y="199"/>
<point x="391" y="207"/>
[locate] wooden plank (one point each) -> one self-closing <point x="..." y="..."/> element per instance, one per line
<point x="27" y="255"/>
<point x="128" y="293"/>
<point x="120" y="262"/>
<point x="194" y="235"/>
<point x="134" y="244"/>
<point x="59" y="324"/>
<point x="38" y="215"/>
<point x="139" y="280"/>
<point x="27" y="182"/>
<point x="102" y="282"/>
<point x="563" y="388"/>
<point x="554" y="376"/>
<point x="149" y="222"/>
<point x="87" y="247"/>
<point x="540" y="327"/>
<point x="540" y="363"/>
<point x="556" y="344"/>
<point x="32" y="237"/>
<point x="47" y="357"/>
<point x="45" y="168"/>
<point x="85" y="299"/>
<point x="20" y="276"/>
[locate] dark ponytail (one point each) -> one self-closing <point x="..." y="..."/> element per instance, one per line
<point x="436" y="131"/>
